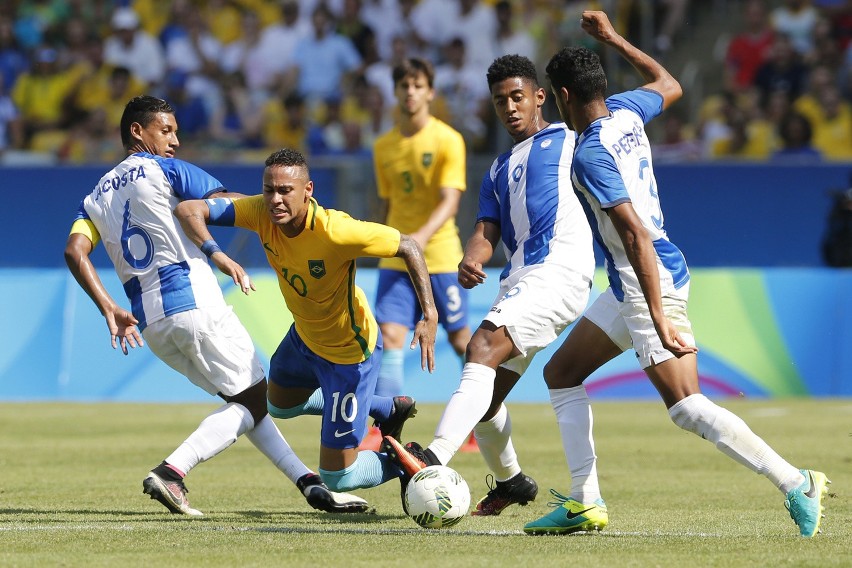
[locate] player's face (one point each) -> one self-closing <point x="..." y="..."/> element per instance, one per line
<point x="413" y="94"/>
<point x="517" y="103"/>
<point x="286" y="193"/>
<point x="159" y="137"/>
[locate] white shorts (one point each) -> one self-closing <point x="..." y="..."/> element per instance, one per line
<point x="535" y="306"/>
<point x="628" y="324"/>
<point x="208" y="346"/>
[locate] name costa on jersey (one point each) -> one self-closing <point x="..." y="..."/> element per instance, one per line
<point x="119" y="181"/>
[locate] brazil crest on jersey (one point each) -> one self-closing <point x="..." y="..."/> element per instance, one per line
<point x="613" y="165"/>
<point x="316" y="272"/>
<point x="163" y="272"/>
<point x="410" y="172"/>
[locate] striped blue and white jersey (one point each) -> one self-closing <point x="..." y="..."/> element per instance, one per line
<point x="613" y="165"/>
<point x="163" y="272"/>
<point x="528" y="194"/>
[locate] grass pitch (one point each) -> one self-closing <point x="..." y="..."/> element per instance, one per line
<point x="71" y="494"/>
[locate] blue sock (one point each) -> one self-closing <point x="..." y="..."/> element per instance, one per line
<point x="369" y="470"/>
<point x="391" y="373"/>
<point x="312" y="406"/>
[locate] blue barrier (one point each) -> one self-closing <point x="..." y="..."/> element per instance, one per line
<point x="762" y="333"/>
<point x="719" y="215"/>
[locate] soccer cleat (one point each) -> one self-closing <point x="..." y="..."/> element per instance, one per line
<point x="570" y="516"/>
<point x="805" y="502"/>
<point x="411" y="458"/>
<point x="170" y="493"/>
<point x="403" y="409"/>
<point x="320" y="497"/>
<point x="521" y="489"/>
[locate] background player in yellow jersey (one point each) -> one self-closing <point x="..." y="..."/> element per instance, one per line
<point x="420" y="173"/>
<point x="334" y="342"/>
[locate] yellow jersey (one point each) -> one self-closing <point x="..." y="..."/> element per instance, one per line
<point x="410" y="173"/>
<point x="316" y="275"/>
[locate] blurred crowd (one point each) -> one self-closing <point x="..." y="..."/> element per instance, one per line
<point x="786" y="88"/>
<point x="248" y="76"/>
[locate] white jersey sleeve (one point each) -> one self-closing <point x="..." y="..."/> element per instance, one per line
<point x="613" y="165"/>
<point x="163" y="272"/>
<point x="528" y="194"/>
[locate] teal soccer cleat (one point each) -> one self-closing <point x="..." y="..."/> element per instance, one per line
<point x="569" y="516"/>
<point x="805" y="502"/>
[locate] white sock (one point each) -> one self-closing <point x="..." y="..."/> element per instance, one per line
<point x="466" y="407"/>
<point x="268" y="439"/>
<point x="574" y="418"/>
<point x="733" y="437"/>
<point x="219" y="430"/>
<point x="495" y="444"/>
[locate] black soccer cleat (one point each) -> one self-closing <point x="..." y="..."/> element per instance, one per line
<point x="403" y="409"/>
<point x="320" y="497"/>
<point x="521" y="489"/>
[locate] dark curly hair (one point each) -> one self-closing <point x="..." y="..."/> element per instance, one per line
<point x="142" y="110"/>
<point x="287" y="157"/>
<point x="510" y="66"/>
<point x="579" y="70"/>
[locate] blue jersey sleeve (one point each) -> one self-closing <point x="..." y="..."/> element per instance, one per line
<point x="489" y="208"/>
<point x="222" y="211"/>
<point x="81" y="212"/>
<point x="646" y="103"/>
<point x="188" y="181"/>
<point x="595" y="170"/>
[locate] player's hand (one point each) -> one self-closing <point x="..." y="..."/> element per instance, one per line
<point x="471" y="273"/>
<point x="122" y="329"/>
<point x="672" y="340"/>
<point x="597" y="25"/>
<point x="424" y="335"/>
<point x="237" y="273"/>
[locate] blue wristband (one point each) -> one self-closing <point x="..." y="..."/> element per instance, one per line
<point x="210" y="247"/>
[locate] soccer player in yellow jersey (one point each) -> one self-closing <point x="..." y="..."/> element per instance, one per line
<point x="334" y="342"/>
<point x="420" y="173"/>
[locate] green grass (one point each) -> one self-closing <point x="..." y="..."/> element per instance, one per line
<point x="70" y="494"/>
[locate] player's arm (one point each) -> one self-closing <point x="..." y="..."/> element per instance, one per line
<point x="426" y="328"/>
<point x="447" y="208"/>
<point x="656" y="76"/>
<point x="121" y="323"/>
<point x="478" y="250"/>
<point x="228" y="194"/>
<point x="643" y="259"/>
<point x="194" y="216"/>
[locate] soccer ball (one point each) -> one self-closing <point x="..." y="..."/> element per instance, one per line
<point x="436" y="497"/>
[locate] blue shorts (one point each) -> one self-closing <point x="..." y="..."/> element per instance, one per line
<point x="396" y="300"/>
<point x="347" y="389"/>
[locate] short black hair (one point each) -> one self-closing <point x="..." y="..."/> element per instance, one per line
<point x="287" y="157"/>
<point x="141" y="109"/>
<point x="579" y="70"/>
<point x="510" y="66"/>
<point x="412" y="67"/>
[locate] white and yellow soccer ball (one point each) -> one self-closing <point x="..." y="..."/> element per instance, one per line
<point x="437" y="497"/>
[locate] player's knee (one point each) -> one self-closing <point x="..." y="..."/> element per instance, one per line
<point x="697" y="414"/>
<point x="253" y="399"/>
